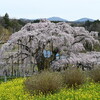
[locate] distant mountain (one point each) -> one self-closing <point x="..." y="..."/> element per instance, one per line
<point x="25" y="19"/>
<point x="84" y="20"/>
<point x="1" y="17"/>
<point x="56" y="19"/>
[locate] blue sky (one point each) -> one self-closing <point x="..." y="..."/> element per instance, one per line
<point x="67" y="9"/>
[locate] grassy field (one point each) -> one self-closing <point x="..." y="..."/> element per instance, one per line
<point x="13" y="90"/>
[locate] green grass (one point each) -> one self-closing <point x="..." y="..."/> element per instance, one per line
<point x="13" y="90"/>
<point x="8" y="78"/>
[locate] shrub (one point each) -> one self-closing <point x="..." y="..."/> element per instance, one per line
<point x="95" y="74"/>
<point x="45" y="82"/>
<point x="73" y="77"/>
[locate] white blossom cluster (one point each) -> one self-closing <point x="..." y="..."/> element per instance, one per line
<point x="86" y="59"/>
<point x="69" y="40"/>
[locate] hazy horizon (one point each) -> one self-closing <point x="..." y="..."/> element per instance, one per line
<point x="66" y="9"/>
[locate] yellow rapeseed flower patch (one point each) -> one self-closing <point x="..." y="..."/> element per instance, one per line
<point x="13" y="90"/>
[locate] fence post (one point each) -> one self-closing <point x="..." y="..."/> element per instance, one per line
<point x="12" y="65"/>
<point x="24" y="75"/>
<point x="18" y="70"/>
<point x="30" y="40"/>
<point x="5" y="78"/>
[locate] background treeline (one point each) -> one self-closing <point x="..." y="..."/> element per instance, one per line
<point x="9" y="26"/>
<point x="90" y="26"/>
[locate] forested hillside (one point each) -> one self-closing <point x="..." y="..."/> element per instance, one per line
<point x="9" y="26"/>
<point x="90" y="26"/>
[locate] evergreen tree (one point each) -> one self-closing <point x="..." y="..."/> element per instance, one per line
<point x="6" y="20"/>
